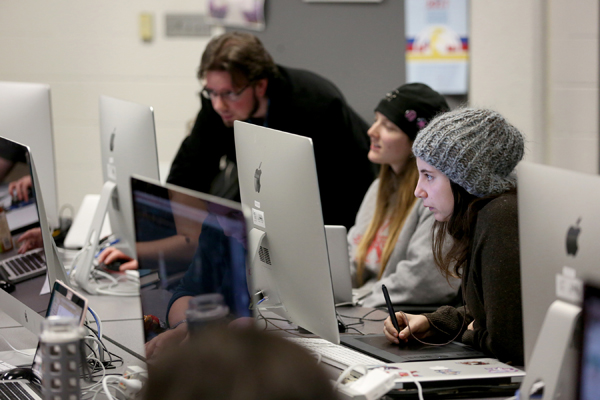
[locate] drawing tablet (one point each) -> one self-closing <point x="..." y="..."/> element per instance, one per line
<point x="379" y="347"/>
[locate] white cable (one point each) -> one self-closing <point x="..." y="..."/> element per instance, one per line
<point x="417" y="383"/>
<point x="89" y="388"/>
<point x="318" y="356"/>
<point x="108" y="291"/>
<point x="105" y="386"/>
<point x="99" y="346"/>
<point x="347" y="372"/>
<point x="108" y="288"/>
<point x="74" y="263"/>
<point x="12" y="347"/>
<point x="114" y="387"/>
<point x="105" y="275"/>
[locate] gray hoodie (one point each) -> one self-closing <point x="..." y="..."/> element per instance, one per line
<point x="411" y="276"/>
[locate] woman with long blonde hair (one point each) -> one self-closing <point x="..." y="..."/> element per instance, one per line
<point x="390" y="242"/>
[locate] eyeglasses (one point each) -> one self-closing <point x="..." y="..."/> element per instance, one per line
<point x="227" y="95"/>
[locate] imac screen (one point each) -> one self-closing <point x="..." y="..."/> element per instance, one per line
<point x="188" y="244"/>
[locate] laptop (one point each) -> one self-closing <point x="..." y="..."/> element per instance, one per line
<point x="25" y="383"/>
<point x="339" y="262"/>
<point x="474" y="373"/>
<point x="24" y="266"/>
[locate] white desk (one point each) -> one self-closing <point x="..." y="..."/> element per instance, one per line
<point x="113" y="308"/>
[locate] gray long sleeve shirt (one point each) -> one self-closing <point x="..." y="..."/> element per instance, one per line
<point x="411" y="276"/>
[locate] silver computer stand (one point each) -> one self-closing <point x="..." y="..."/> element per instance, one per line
<point x="554" y="357"/>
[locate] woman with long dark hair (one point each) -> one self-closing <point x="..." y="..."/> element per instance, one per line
<point x="466" y="161"/>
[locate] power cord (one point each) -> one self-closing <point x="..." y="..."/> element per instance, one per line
<point x="372" y="385"/>
<point x="97" y="275"/>
<point x="12" y="347"/>
<point x="110" y="287"/>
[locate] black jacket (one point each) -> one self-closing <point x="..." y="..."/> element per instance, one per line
<point x="492" y="287"/>
<point x="302" y="103"/>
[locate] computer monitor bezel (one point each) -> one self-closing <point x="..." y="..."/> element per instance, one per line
<point x="279" y="184"/>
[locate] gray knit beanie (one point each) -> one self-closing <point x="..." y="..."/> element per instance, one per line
<point x="475" y="148"/>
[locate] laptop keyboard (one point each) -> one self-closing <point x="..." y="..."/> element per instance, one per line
<point x="333" y="354"/>
<point x="25" y="266"/>
<point x="14" y="391"/>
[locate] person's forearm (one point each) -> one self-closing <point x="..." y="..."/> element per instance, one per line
<point x="177" y="246"/>
<point x="177" y="311"/>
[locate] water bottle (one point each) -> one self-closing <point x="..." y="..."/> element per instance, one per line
<point x="60" y="345"/>
<point x="205" y="309"/>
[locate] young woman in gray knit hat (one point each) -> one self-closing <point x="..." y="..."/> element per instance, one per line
<point x="390" y="242"/>
<point x="466" y="161"/>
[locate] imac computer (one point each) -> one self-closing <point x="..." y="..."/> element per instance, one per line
<point x="25" y="116"/>
<point x="287" y="243"/>
<point x="188" y="244"/>
<point x="559" y="230"/>
<point x="128" y="147"/>
<point x="25" y="298"/>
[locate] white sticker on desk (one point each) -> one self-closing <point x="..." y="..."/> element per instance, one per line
<point x="568" y="286"/>
<point x="111" y="171"/>
<point x="256" y="204"/>
<point x="258" y="217"/>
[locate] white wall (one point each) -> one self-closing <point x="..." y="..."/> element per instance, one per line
<point x="573" y="107"/>
<point x="85" y="49"/>
<point x="536" y="62"/>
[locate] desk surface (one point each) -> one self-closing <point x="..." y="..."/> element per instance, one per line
<point x="118" y="325"/>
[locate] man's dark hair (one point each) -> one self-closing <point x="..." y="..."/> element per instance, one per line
<point x="239" y="53"/>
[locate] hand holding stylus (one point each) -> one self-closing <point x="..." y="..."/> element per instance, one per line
<point x="396" y="327"/>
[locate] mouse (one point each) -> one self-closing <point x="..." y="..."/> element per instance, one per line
<point x="16" y="203"/>
<point x="17" y="373"/>
<point x="7" y="286"/>
<point x="113" y="266"/>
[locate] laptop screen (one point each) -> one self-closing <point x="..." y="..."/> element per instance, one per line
<point x="589" y="366"/>
<point x="22" y="257"/>
<point x="187" y="244"/>
<point x="64" y="302"/>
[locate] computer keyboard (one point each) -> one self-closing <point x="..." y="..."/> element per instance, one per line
<point x="333" y="354"/>
<point x="14" y="391"/>
<point x="25" y="266"/>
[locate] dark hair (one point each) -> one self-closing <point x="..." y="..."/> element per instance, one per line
<point x="225" y="363"/>
<point x="460" y="227"/>
<point x="239" y="53"/>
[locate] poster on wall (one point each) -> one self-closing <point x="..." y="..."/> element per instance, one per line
<point x="437" y="44"/>
<point x="249" y="14"/>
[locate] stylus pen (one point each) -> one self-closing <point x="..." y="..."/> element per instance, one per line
<point x="390" y="308"/>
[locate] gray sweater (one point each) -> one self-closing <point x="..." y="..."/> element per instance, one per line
<point x="411" y="276"/>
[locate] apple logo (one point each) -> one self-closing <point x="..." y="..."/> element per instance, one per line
<point x="257" y="174"/>
<point x="572" y="235"/>
<point x="112" y="139"/>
